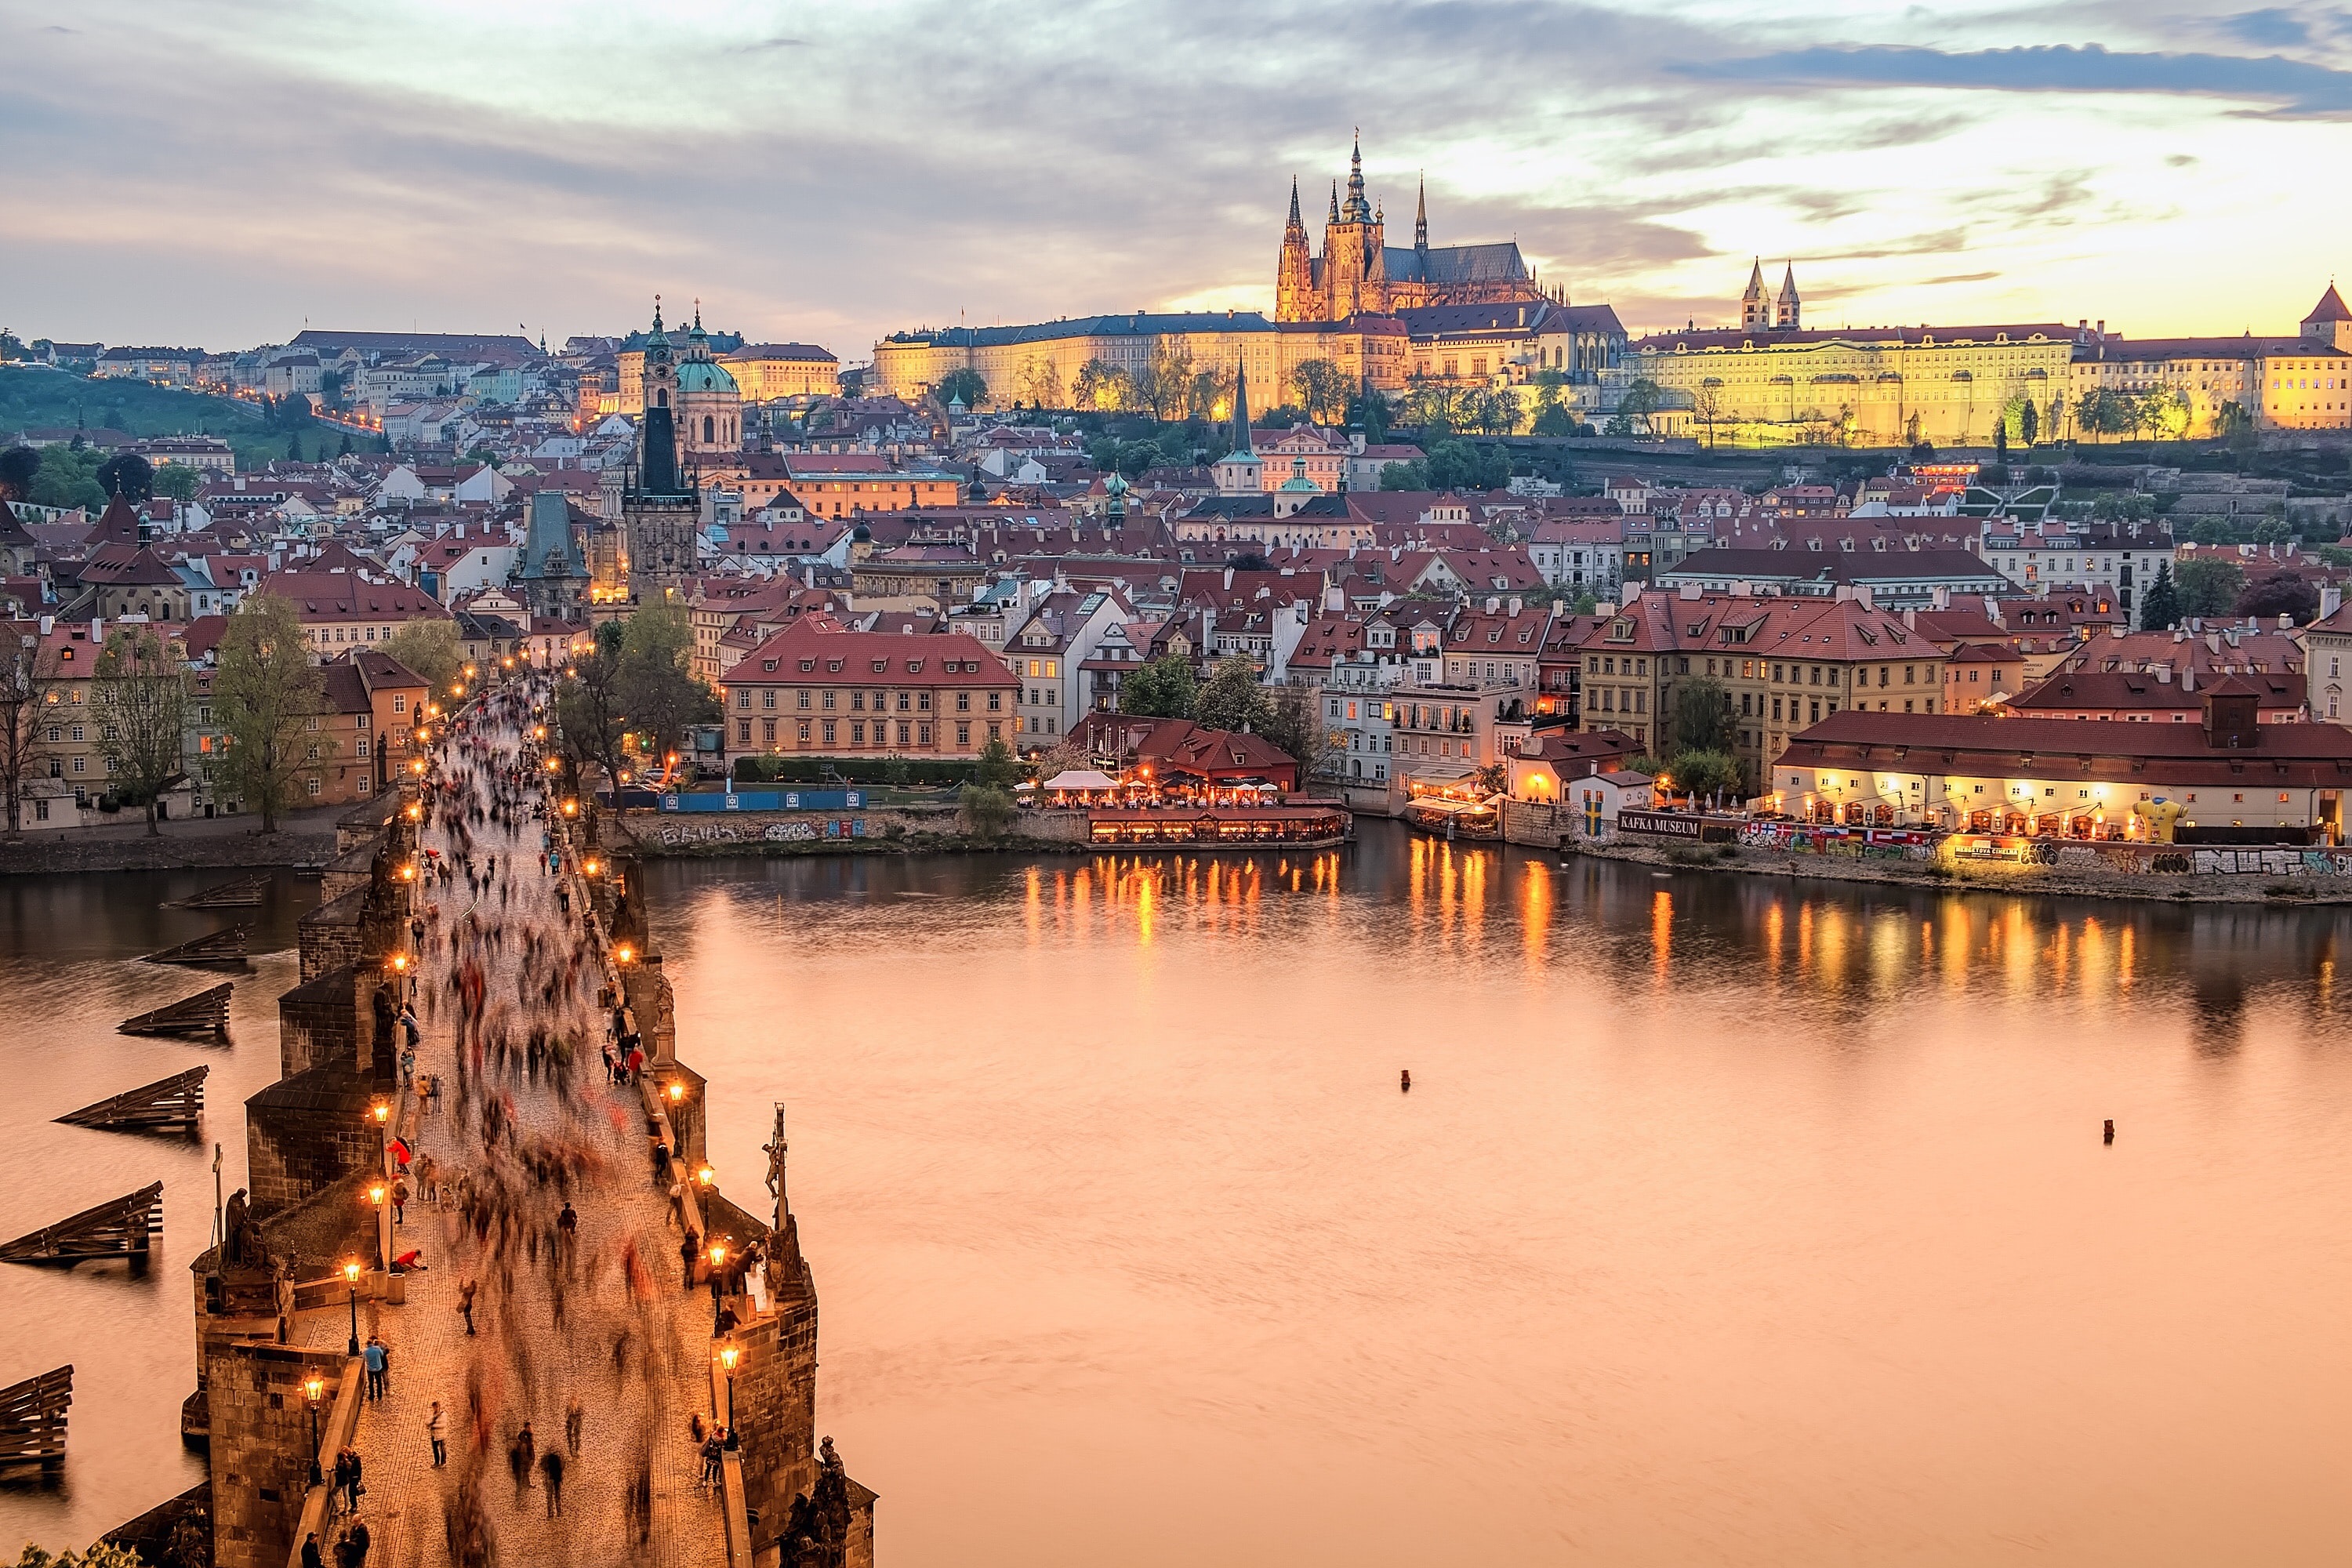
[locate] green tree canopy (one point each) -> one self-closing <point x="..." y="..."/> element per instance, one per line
<point x="1233" y="699"/>
<point x="266" y="698"/>
<point x="2160" y="606"/>
<point x="1704" y="773"/>
<point x="1163" y="687"/>
<point x="139" y="699"/>
<point x="658" y="689"/>
<point x="1322" y="388"/>
<point x="2207" y="587"/>
<point x="128" y="475"/>
<point x="1703" y="716"/>
<point x="963" y="381"/>
<point x="431" y="648"/>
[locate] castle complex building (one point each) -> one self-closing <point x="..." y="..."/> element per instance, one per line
<point x="1359" y="273"/>
<point x="1771" y="379"/>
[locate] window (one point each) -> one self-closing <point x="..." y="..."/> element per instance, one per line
<point x="311" y="784"/>
<point x="829" y="704"/>
<point x="963" y="735"/>
<point x="742" y="697"/>
<point x="743" y="732"/>
<point x="923" y="734"/>
<point x="964" y="701"/>
<point x="995" y="701"/>
<point x="364" y="746"/>
<point x="399" y="702"/>
<point x="803" y="736"/>
<point x="803" y="702"/>
<point x="829" y="731"/>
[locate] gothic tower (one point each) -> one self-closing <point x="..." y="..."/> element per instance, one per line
<point x="1293" y="275"/>
<point x="1421" y="216"/>
<point x="1355" y="275"/>
<point x="1790" y="316"/>
<point x="661" y="506"/>
<point x="1756" y="306"/>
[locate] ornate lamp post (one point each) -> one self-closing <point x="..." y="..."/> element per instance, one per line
<point x="314" y="1385"/>
<point x="728" y="1354"/>
<point x="352" y="1279"/>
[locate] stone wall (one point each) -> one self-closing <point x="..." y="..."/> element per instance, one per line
<point x="887" y="831"/>
<point x="775" y="1408"/>
<point x="1539" y="823"/>
<point x="69" y="853"/>
<point x="260" y="1456"/>
<point x="306" y="1134"/>
<point x="332" y="934"/>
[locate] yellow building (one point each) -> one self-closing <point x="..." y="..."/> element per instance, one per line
<point x="766" y="372"/>
<point x="1045" y="364"/>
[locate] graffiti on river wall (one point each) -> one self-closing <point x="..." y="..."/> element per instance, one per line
<point x="684" y="835"/>
<point x="2275" y="862"/>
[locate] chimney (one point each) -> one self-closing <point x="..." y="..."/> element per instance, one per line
<point x="1939" y="598"/>
<point x="1689" y="591"/>
<point x="2102" y="329"/>
<point x="1910" y="617"/>
<point x="2188" y="677"/>
<point x="2286" y="622"/>
<point x="2331" y="599"/>
<point x="2213" y="642"/>
<point x="2163" y="673"/>
<point x="1493" y="603"/>
<point x="2117" y="631"/>
<point x="48" y="624"/>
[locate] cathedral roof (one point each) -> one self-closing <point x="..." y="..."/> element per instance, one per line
<point x="2329" y="308"/>
<point x="1495" y="263"/>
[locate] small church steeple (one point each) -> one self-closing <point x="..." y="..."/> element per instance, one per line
<point x="1357" y="209"/>
<point x="1790" y="317"/>
<point x="1421" y="217"/>
<point x="1240" y="413"/>
<point x="1754" y="305"/>
<point x="1334" y="218"/>
<point x="1295" y="225"/>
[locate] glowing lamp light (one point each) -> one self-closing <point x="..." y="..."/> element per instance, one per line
<point x="375" y="1194"/>
<point x="624" y="952"/>
<point x="676" y="1092"/>
<point x="417" y="767"/>
<point x="400" y="964"/>
<point x="589" y="867"/>
<point x="717" y="1255"/>
<point x="313" y="1386"/>
<point x="703" y="1176"/>
<point x="728" y="1356"/>
<point x="351" y="1271"/>
<point x="571" y="808"/>
<point x="381" y="1111"/>
<point x="407" y="874"/>
<point x="469" y="672"/>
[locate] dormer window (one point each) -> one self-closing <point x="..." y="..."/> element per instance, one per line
<point x="768" y="664"/>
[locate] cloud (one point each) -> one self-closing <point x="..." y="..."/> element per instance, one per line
<point x="2300" y="89"/>
<point x="764" y="44"/>
<point x="1957" y="277"/>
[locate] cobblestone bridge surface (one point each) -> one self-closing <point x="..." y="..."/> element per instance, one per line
<point x="598" y="1331"/>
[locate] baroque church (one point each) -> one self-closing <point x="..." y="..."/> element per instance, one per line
<point x="1361" y="273"/>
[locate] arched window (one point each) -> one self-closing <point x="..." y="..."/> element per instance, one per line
<point x="707" y="435"/>
<point x="662" y="397"/>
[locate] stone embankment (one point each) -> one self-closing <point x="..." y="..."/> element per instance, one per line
<point x="73" y="852"/>
<point x="878" y="830"/>
<point x="1985" y="877"/>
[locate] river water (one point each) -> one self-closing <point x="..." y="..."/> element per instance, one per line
<point x="1728" y="1220"/>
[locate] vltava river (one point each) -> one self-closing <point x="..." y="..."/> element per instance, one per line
<point x="1728" y="1220"/>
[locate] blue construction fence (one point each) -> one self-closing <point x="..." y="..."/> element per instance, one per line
<point x="769" y="800"/>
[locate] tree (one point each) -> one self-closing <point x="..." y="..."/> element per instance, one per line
<point x="27" y="693"/>
<point x="1165" y="385"/>
<point x="1097" y="386"/>
<point x="963" y="381"/>
<point x="139" y="696"/>
<point x="1552" y="415"/>
<point x="589" y="710"/>
<point x="1322" y="388"/>
<point x="1496" y="412"/>
<point x="658" y="689"/>
<point x="1368" y="411"/>
<point x="1163" y="687"/>
<point x="1408" y="476"/>
<point x="431" y="648"/>
<point x="2029" y="423"/>
<point x="1703" y="716"/>
<point x="2207" y="587"/>
<point x="1640" y="402"/>
<point x="1040" y="383"/>
<point x="1233" y="700"/>
<point x="268" y="698"/>
<point x="19" y="467"/>
<point x="1295" y="722"/>
<point x="1706" y="406"/>
<point x="1704" y="773"/>
<point x="130" y="476"/>
<point x="2162" y="606"/>
<point x="179" y="482"/>
<point x="2001" y="439"/>
<point x="2281" y="593"/>
<point x="987" y="801"/>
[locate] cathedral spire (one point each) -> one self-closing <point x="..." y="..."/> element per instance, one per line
<point x="1335" y="201"/>
<point x="1241" y="412"/>
<point x="1295" y="222"/>
<point x="1754" y="305"/>
<point x="1421" y="217"/>
<point x="1358" y="210"/>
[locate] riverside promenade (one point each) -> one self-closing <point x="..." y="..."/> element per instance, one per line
<point x="623" y="1312"/>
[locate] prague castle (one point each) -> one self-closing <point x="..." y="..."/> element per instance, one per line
<point x="1359" y="273"/>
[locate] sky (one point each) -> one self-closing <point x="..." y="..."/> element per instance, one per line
<point x="221" y="172"/>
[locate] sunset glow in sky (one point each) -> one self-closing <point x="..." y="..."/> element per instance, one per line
<point x="217" y="173"/>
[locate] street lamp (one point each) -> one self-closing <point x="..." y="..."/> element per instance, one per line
<point x="717" y="1264"/>
<point x="704" y="1175"/>
<point x="352" y="1277"/>
<point x="676" y="1092"/>
<point x="624" y="954"/>
<point x="314" y="1385"/>
<point x="728" y="1354"/>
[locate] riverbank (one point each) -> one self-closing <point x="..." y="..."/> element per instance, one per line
<point x="1988" y="877"/>
<point x="108" y="849"/>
